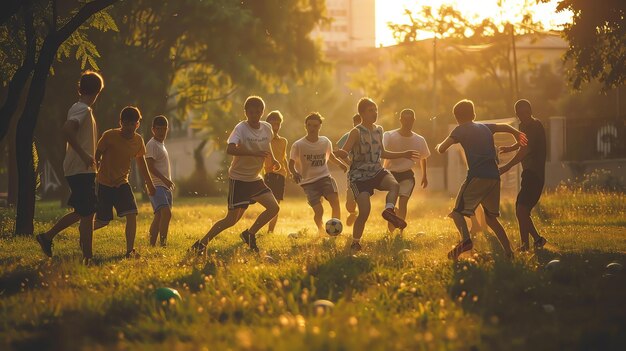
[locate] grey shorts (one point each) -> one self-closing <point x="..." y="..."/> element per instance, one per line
<point x="321" y="187"/>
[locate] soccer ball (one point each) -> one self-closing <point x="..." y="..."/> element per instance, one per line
<point x="334" y="227"/>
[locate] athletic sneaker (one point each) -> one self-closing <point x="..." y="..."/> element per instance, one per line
<point x="198" y="248"/>
<point x="351" y="218"/>
<point x="461" y="247"/>
<point x="355" y="246"/>
<point x="46" y="245"/>
<point x="390" y="216"/>
<point x="539" y="243"/>
<point x="249" y="239"/>
<point x="132" y="254"/>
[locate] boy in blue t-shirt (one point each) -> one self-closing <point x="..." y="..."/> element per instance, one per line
<point x="482" y="185"/>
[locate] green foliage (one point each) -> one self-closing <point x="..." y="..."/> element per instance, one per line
<point x="78" y="45"/>
<point x="482" y="50"/>
<point x="85" y="50"/>
<point x="597" y="38"/>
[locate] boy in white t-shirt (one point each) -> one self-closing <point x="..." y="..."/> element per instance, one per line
<point x="308" y="164"/>
<point x="79" y="166"/>
<point x="249" y="143"/>
<point x="399" y="140"/>
<point x="159" y="166"/>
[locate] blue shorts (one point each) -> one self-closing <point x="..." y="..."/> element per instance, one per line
<point x="162" y="198"/>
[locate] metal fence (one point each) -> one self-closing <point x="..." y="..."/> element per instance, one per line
<point x="595" y="139"/>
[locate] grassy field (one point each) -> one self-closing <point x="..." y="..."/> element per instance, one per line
<point x="386" y="297"/>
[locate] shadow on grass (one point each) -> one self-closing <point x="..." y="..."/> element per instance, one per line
<point x="576" y="304"/>
<point x="339" y="277"/>
<point x="77" y="329"/>
<point x="18" y="280"/>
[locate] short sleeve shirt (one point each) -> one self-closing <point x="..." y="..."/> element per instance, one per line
<point x="156" y="150"/>
<point x="396" y="142"/>
<point x="279" y="149"/>
<point x="311" y="158"/>
<point x="86" y="138"/>
<point x="535" y="160"/>
<point x="248" y="168"/>
<point x="480" y="151"/>
<point x="117" y="152"/>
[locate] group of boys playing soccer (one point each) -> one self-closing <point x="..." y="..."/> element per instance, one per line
<point x="373" y="159"/>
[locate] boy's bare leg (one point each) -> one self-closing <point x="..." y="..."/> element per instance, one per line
<point x="232" y="217"/>
<point x="461" y="225"/>
<point x="85" y="229"/>
<point x="64" y="222"/>
<point x="268" y="201"/>
<point x="333" y="200"/>
<point x="390" y="185"/>
<point x="164" y="224"/>
<point x="272" y="224"/>
<point x="364" y="205"/>
<point x="403" y="202"/>
<point x="318" y="212"/>
<point x="526" y="226"/>
<point x="466" y="242"/>
<point x="350" y="207"/>
<point x="494" y="224"/>
<point x="131" y="229"/>
<point x="154" y="227"/>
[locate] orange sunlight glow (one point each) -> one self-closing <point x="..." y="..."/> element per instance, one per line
<point x="510" y="11"/>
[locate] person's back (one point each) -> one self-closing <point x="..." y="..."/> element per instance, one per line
<point x="85" y="136"/>
<point x="480" y="152"/>
<point x="535" y="160"/>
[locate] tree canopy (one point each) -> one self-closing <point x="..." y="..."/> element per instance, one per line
<point x="597" y="41"/>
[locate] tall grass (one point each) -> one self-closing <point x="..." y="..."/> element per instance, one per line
<point x="400" y="293"/>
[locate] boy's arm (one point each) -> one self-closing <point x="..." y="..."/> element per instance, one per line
<point x="238" y="150"/>
<point x="347" y="147"/>
<point x="505" y="149"/>
<point x="275" y="164"/>
<point x="292" y="168"/>
<point x="519" y="156"/>
<point x="70" y="130"/>
<point x="155" y="172"/>
<point x="444" y="145"/>
<point x="404" y="154"/>
<point x="505" y="128"/>
<point x="338" y="162"/>
<point x="143" y="170"/>
<point x="424" y="175"/>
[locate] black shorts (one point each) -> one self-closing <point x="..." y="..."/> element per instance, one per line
<point x="83" y="193"/>
<point x="406" y="181"/>
<point x="240" y="193"/>
<point x="276" y="183"/>
<point x="122" y="198"/>
<point x="531" y="189"/>
<point x="368" y="185"/>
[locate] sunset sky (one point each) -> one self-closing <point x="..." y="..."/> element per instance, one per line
<point x="393" y="11"/>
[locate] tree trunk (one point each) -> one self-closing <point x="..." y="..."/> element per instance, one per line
<point x="25" y="211"/>
<point x="19" y="79"/>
